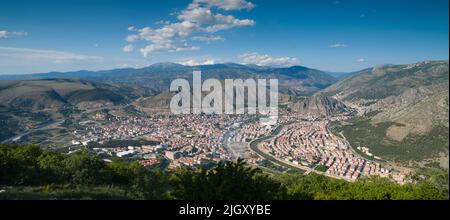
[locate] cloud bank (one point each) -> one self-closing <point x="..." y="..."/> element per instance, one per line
<point x="198" y="21"/>
<point x="25" y="60"/>
<point x="198" y="62"/>
<point x="267" y="60"/>
<point x="7" y="34"/>
<point x="338" y="45"/>
<point x="26" y="54"/>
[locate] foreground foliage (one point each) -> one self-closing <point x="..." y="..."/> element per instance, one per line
<point x="28" y="172"/>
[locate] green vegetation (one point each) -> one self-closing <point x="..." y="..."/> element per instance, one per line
<point x="95" y="95"/>
<point x="28" y="172"/>
<point x="50" y="192"/>
<point x="30" y="166"/>
<point x="228" y="181"/>
<point x="67" y="112"/>
<point x="437" y="177"/>
<point x="360" y="132"/>
<point x="319" y="187"/>
<point x="271" y="165"/>
<point x="322" y="168"/>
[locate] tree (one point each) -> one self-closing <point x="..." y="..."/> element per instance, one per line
<point x="227" y="181"/>
<point x="84" y="169"/>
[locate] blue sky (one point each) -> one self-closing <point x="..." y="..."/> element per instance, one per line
<point x="332" y="35"/>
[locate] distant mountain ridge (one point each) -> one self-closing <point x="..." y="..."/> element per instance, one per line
<point x="54" y="94"/>
<point x="389" y="80"/>
<point x="297" y="79"/>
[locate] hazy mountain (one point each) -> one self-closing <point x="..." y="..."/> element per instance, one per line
<point x="343" y="75"/>
<point x="53" y="94"/>
<point x="297" y="80"/>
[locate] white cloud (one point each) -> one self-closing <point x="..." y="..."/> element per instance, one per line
<point x="132" y="28"/>
<point x="132" y="38"/>
<point x="162" y="22"/>
<point x="6" y="34"/>
<point x="361" y="60"/>
<point x="166" y="47"/>
<point x="45" y="55"/>
<point x="197" y="62"/>
<point x="338" y="45"/>
<point x="3" y="34"/>
<point x="128" y="48"/>
<point x="127" y="65"/>
<point x="267" y="60"/>
<point x="208" y="38"/>
<point x="25" y="60"/>
<point x="211" y="22"/>
<point x="200" y="16"/>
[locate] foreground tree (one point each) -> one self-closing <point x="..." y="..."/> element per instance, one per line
<point x="227" y="181"/>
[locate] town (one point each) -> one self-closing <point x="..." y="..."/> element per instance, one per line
<point x="201" y="140"/>
<point x="311" y="144"/>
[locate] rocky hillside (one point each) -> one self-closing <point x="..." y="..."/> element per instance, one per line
<point x="404" y="102"/>
<point x="390" y="80"/>
<point x="319" y="105"/>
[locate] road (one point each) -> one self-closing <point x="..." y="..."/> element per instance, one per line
<point x="47" y="126"/>
<point x="254" y="147"/>
<point x="304" y="169"/>
<point x="53" y="124"/>
<point x="225" y="143"/>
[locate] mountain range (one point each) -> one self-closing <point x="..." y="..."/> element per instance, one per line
<point x="296" y="80"/>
